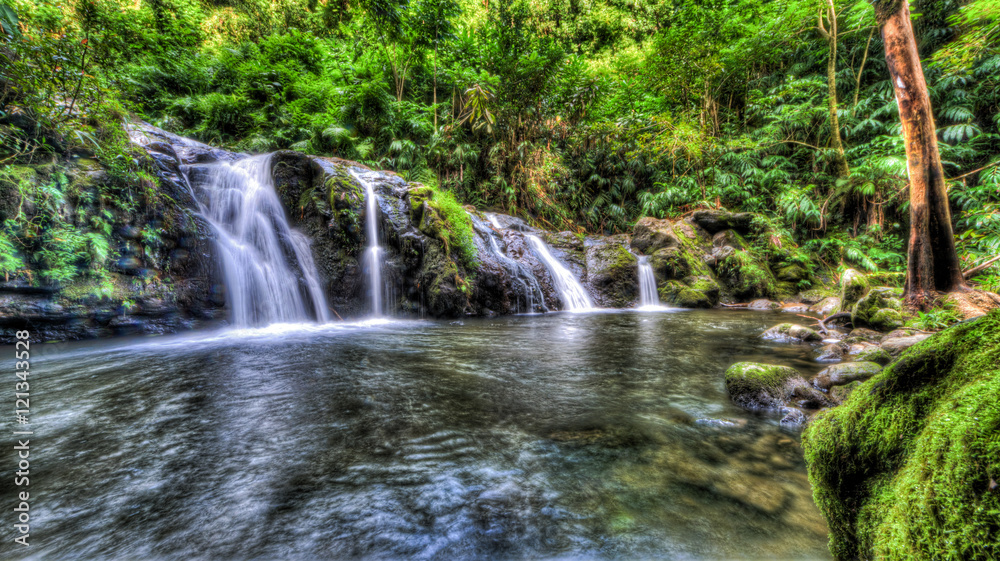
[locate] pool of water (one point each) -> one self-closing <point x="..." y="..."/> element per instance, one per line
<point x="557" y="436"/>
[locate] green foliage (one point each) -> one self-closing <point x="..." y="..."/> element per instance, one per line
<point x="937" y="318"/>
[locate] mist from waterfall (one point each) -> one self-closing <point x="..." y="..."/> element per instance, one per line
<point x="268" y="267"/>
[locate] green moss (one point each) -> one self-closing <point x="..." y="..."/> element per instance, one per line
<point x="748" y="275"/>
<point x="904" y="469"/>
<point x="450" y="223"/>
<point x="754" y="385"/>
<point x="853" y="285"/>
<point x="877" y="355"/>
<point x="879" y="309"/>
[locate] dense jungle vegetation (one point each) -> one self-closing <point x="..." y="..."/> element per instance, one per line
<point x="577" y="114"/>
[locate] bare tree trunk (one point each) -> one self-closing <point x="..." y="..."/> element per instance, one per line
<point x="932" y="260"/>
<point x="830" y="35"/>
<point x="857" y="86"/>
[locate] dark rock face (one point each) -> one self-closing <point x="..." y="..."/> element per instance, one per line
<point x="713" y="221"/>
<point x="164" y="276"/>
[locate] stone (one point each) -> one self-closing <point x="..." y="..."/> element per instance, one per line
<point x="651" y="234"/>
<point x="845" y="373"/>
<point x="878" y="355"/>
<point x="764" y="304"/>
<point x="793" y="417"/>
<point x="830" y="353"/>
<point x="761" y="386"/>
<point x="897" y="345"/>
<point x="713" y="221"/>
<point x="853" y="285"/>
<point x="826" y="306"/>
<point x="875" y="309"/>
<point x="839" y="394"/>
<point x="789" y="332"/>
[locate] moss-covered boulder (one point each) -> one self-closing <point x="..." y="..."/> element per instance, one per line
<point x="652" y="234"/>
<point x="879" y="309"/>
<point x="612" y="272"/>
<point x="842" y="374"/>
<point x="762" y="386"/>
<point x="713" y="221"/>
<point x="853" y="285"/>
<point x="791" y="333"/>
<point x="826" y="306"/>
<point x="678" y="294"/>
<point x="878" y="355"/>
<point x="839" y="394"/>
<point x="907" y="467"/>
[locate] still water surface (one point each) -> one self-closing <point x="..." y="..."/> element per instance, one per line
<point x="559" y="436"/>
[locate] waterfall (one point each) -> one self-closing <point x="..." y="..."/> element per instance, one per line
<point x="517" y="271"/>
<point x="571" y="292"/>
<point x="269" y="270"/>
<point x="373" y="255"/>
<point x="647" y="284"/>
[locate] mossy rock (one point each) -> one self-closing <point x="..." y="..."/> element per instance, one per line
<point x="878" y="355"/>
<point x="792" y="273"/>
<point x="791" y="332"/>
<point x="670" y="263"/>
<point x="907" y="467"/>
<point x="706" y="285"/>
<point x="681" y="295"/>
<point x="887" y="319"/>
<point x="612" y="272"/>
<point x="842" y="374"/>
<point x="839" y="394"/>
<point x="826" y="306"/>
<point x="853" y="285"/>
<point x="651" y="234"/>
<point x="875" y="310"/>
<point x="761" y="386"/>
<point x="747" y="275"/>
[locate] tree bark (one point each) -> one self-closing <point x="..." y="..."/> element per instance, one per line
<point x="933" y="263"/>
<point x="841" y="167"/>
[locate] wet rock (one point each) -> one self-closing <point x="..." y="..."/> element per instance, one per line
<point x="814" y="296"/>
<point x="761" y="386"/>
<point x="714" y="221"/>
<point x="876" y="309"/>
<point x="795" y="308"/>
<point x="839" y="394"/>
<point x="651" y="234"/>
<point x="612" y="272"/>
<point x="878" y="355"/>
<point x="853" y="285"/>
<point x="793" y="417"/>
<point x="841" y="374"/>
<point x="897" y="345"/>
<point x="789" y="332"/>
<point x="833" y="352"/>
<point x="864" y="334"/>
<point x="678" y="294"/>
<point x="764" y="304"/>
<point x="808" y="397"/>
<point x="826" y="306"/>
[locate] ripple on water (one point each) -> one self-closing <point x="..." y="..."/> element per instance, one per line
<point x="559" y="436"/>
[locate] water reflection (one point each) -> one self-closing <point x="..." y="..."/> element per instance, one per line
<point x="556" y="436"/>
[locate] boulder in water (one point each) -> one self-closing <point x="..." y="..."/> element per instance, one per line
<point x="761" y="386"/>
<point x="790" y="332"/>
<point x="853" y="285"/>
<point x="612" y="272"/>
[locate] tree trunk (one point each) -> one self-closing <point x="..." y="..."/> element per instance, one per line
<point x="842" y="169"/>
<point x="932" y="260"/>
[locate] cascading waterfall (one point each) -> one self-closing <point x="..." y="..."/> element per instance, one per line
<point x="373" y="255"/>
<point x="529" y="284"/>
<point x="648" y="297"/>
<point x="269" y="270"/>
<point x="571" y="292"/>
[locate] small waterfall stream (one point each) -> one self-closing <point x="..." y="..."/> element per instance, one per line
<point x="517" y="271"/>
<point x="647" y="284"/>
<point x="268" y="267"/>
<point x="373" y="255"/>
<point x="571" y="292"/>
